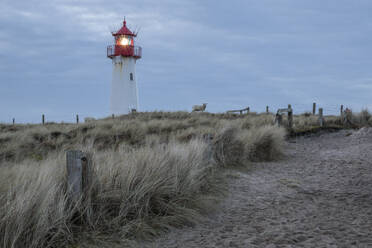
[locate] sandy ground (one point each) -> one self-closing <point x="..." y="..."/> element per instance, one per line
<point x="320" y="195"/>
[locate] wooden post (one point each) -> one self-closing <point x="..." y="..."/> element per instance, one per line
<point x="290" y="116"/>
<point x="241" y="111"/>
<point x="43" y="119"/>
<point x="267" y="109"/>
<point x="248" y="110"/>
<point x="209" y="151"/>
<point x="77" y="119"/>
<point x="78" y="176"/>
<point x="342" y="111"/>
<point x="348" y="118"/>
<point x="321" y="119"/>
<point x="113" y="116"/>
<point x="13" y="121"/>
<point x="314" y="108"/>
<point x="278" y="119"/>
<point x="86" y="162"/>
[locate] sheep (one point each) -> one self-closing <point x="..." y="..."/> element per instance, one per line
<point x="89" y="119"/>
<point x="201" y="108"/>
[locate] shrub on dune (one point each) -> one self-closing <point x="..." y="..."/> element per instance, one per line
<point x="363" y="118"/>
<point x="263" y="143"/>
<point x="233" y="146"/>
<point x="228" y="149"/>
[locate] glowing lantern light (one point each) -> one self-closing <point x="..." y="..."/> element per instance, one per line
<point x="124" y="41"/>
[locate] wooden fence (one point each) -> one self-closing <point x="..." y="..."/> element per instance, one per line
<point x="344" y="113"/>
<point x="241" y="111"/>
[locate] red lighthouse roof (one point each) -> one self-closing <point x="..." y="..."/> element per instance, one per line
<point x="124" y="31"/>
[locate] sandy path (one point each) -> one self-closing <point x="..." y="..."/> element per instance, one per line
<point x="319" y="196"/>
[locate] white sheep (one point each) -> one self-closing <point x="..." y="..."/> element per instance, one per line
<point x="89" y="119"/>
<point x="201" y="108"/>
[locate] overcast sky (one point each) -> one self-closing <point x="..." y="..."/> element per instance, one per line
<point x="230" y="54"/>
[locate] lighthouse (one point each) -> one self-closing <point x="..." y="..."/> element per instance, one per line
<point x="124" y="55"/>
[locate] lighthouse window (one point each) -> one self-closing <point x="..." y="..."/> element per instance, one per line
<point x="131" y="77"/>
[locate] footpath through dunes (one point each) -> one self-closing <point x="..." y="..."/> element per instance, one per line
<point x="320" y="195"/>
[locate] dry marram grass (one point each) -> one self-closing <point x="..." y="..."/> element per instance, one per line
<point x="140" y="192"/>
<point x="152" y="171"/>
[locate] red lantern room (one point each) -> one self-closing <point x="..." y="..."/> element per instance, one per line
<point x="124" y="44"/>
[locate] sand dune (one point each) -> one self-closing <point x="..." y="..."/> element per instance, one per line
<point x="320" y="195"/>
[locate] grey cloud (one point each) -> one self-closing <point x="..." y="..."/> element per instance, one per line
<point x="230" y="55"/>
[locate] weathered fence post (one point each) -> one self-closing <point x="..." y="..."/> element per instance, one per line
<point x="78" y="173"/>
<point x="279" y="119"/>
<point x="77" y="119"/>
<point x="321" y="119"/>
<point x="342" y="113"/>
<point x="241" y="111"/>
<point x="113" y="116"/>
<point x="208" y="138"/>
<point x="348" y="118"/>
<point x="248" y="110"/>
<point x="314" y="108"/>
<point x="43" y="119"/>
<point x="13" y="121"/>
<point x="267" y="109"/>
<point x="290" y="116"/>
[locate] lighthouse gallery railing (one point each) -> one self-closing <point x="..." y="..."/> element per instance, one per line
<point x="128" y="51"/>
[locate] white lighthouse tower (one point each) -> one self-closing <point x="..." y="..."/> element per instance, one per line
<point x="124" y="54"/>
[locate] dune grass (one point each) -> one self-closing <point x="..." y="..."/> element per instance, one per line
<point x="36" y="142"/>
<point x="134" y="194"/>
<point x="151" y="172"/>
